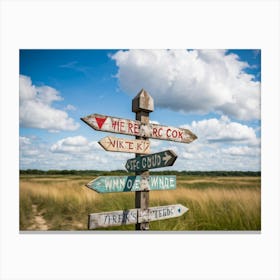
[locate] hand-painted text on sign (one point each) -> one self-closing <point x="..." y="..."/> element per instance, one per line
<point x="136" y="128"/>
<point x="107" y="184"/>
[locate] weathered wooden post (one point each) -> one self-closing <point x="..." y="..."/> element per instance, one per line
<point x="142" y="105"/>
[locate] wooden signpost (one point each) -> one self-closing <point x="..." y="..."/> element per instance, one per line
<point x="109" y="184"/>
<point x="162" y="159"/>
<point x="142" y="105"/>
<point x="134" y="216"/>
<point x="142" y="182"/>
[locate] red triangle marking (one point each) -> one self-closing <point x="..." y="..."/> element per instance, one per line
<point x="100" y="121"/>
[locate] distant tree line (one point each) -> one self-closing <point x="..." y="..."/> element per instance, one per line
<point x="124" y="172"/>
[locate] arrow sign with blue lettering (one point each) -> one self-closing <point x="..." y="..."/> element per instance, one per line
<point x="157" y="160"/>
<point x="109" y="184"/>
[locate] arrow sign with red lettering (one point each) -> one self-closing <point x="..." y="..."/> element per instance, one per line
<point x="114" y="144"/>
<point x="134" y="216"/>
<point x="162" y="159"/>
<point x="135" y="128"/>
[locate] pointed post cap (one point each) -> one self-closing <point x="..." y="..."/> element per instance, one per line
<point x="142" y="102"/>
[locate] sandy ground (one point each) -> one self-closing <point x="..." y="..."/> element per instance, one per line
<point x="39" y="223"/>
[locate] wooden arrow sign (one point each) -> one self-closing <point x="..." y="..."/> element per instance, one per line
<point x="133" y="216"/>
<point x="161" y="213"/>
<point x="109" y="184"/>
<point x="114" y="144"/>
<point x="115" y="218"/>
<point x="135" y="128"/>
<point x="162" y="159"/>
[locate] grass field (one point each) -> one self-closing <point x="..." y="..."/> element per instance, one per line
<point x="215" y="203"/>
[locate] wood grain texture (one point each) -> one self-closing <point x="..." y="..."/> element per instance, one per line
<point x="142" y="198"/>
<point x="124" y="145"/>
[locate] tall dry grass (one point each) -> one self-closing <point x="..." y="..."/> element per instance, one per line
<point x="63" y="203"/>
<point x="214" y="208"/>
<point x="214" y="203"/>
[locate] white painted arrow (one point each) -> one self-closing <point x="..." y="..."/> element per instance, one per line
<point x="166" y="158"/>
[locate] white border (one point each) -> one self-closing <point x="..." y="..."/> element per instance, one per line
<point x="131" y="24"/>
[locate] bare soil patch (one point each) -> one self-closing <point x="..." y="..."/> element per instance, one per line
<point x="39" y="223"/>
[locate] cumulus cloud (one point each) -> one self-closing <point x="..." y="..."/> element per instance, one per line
<point x="24" y="141"/>
<point x="155" y="143"/>
<point x="36" y="109"/>
<point x="200" y="81"/>
<point x="75" y="152"/>
<point x="76" y="144"/>
<point x="78" y="152"/>
<point x="242" y="151"/>
<point x="27" y="148"/>
<point x="70" y="107"/>
<point x="223" y="130"/>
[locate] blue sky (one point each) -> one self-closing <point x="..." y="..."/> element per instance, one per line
<point x="214" y="93"/>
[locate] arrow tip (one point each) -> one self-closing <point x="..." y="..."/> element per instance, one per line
<point x="127" y="166"/>
<point x="102" y="142"/>
<point x="182" y="209"/>
<point x="173" y="153"/>
<point x="192" y="136"/>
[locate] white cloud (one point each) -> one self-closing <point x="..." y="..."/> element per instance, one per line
<point x="79" y="153"/>
<point x="200" y="81"/>
<point x="215" y="157"/>
<point x="154" y="122"/>
<point x="36" y="109"/>
<point x="242" y="151"/>
<point x="75" y="152"/>
<point x="70" y="107"/>
<point x="221" y="145"/>
<point x="223" y="130"/>
<point x="27" y="148"/>
<point x="75" y="141"/>
<point x="24" y="141"/>
<point x="155" y="143"/>
<point x="186" y="155"/>
<point x="76" y="144"/>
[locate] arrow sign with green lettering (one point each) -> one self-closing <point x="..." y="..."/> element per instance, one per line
<point x="109" y="184"/>
<point x="157" y="160"/>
